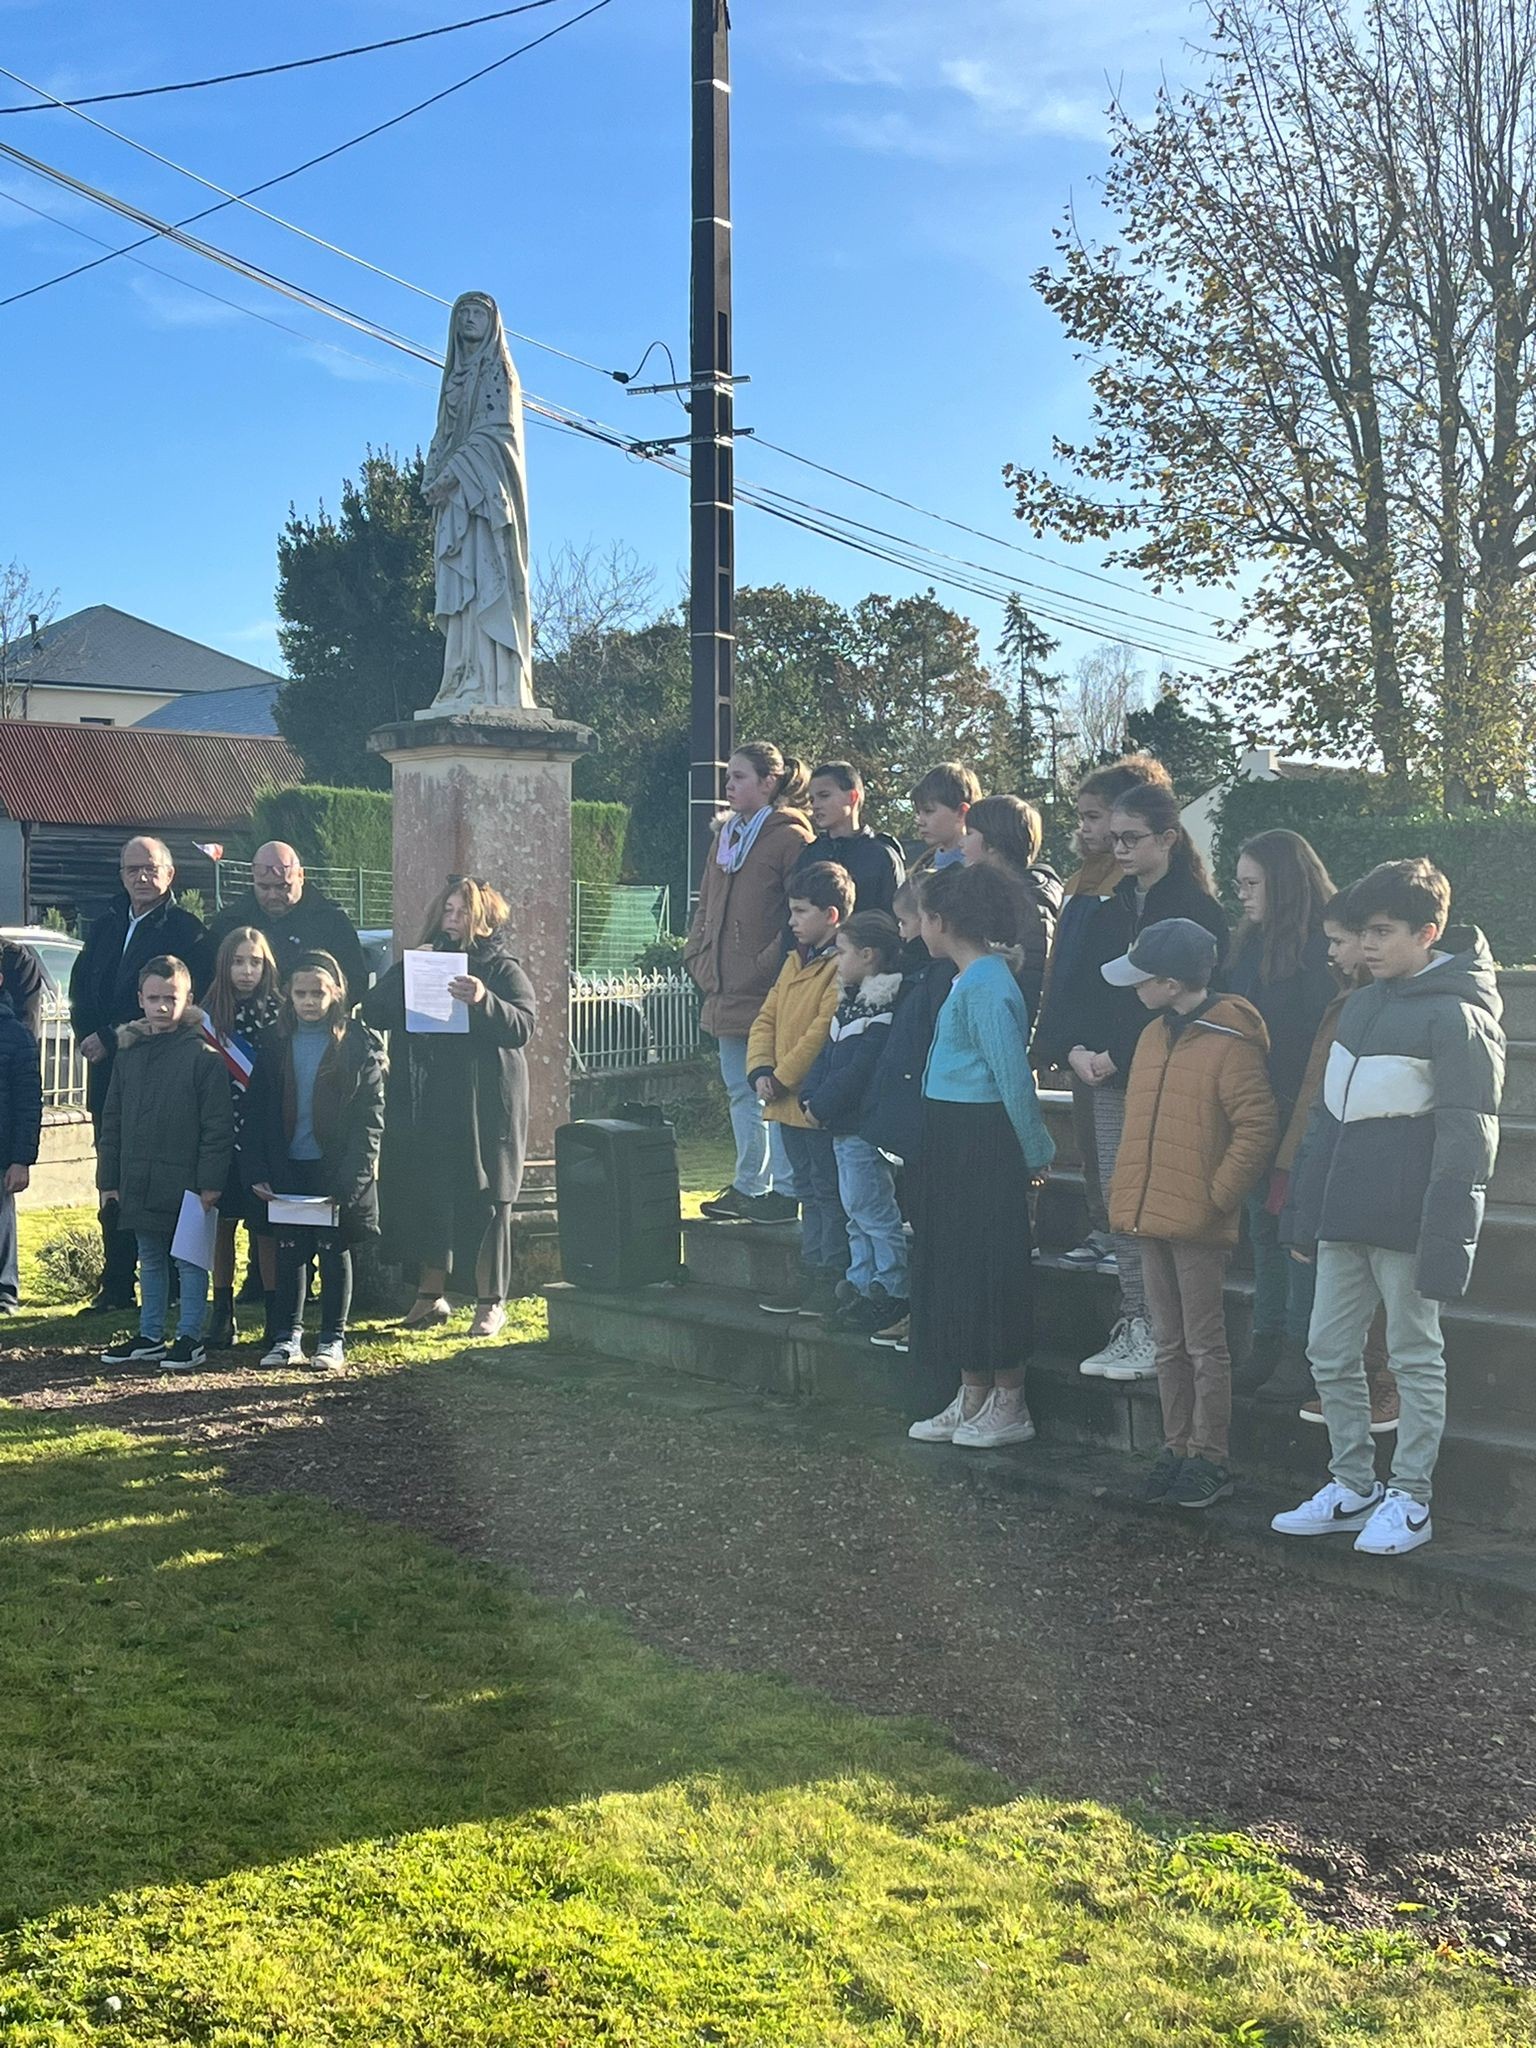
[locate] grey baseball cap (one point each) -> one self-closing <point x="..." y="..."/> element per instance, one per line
<point x="1178" y="949"/>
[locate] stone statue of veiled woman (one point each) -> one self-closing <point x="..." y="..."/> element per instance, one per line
<point x="477" y="487"/>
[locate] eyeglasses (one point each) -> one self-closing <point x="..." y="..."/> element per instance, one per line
<point x="271" y="874"/>
<point x="1128" y="840"/>
<point x="143" y="871"/>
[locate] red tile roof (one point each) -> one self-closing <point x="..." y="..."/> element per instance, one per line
<point x="120" y="775"/>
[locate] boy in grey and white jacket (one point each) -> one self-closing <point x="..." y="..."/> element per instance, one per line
<point x="1388" y="1191"/>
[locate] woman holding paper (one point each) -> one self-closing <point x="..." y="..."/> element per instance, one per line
<point x="458" y="1106"/>
<point x="314" y="1115"/>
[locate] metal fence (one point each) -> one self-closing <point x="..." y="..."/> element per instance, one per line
<point x="367" y="895"/>
<point x="623" y="1021"/>
<point x="64" y="1070"/>
<point x="612" y="924"/>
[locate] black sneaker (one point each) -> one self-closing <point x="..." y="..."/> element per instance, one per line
<point x="134" y="1351"/>
<point x="1199" y="1484"/>
<point x="184" y="1354"/>
<point x="864" y="1317"/>
<point x="115" y="1301"/>
<point x="820" y="1297"/>
<point x="1167" y="1467"/>
<point x="772" y="1208"/>
<point x="790" y="1303"/>
<point x="729" y="1206"/>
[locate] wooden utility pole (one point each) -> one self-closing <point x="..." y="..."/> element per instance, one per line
<point x="712" y="464"/>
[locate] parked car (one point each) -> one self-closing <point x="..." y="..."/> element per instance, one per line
<point x="63" y="1068"/>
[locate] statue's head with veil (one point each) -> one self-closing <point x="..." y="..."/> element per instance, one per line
<point x="476" y="485"/>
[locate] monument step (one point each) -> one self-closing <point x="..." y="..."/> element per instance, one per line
<point x="1486" y="1476"/>
<point x="1490" y="1346"/>
<point x="1517" y="985"/>
<point x="1520" y="1078"/>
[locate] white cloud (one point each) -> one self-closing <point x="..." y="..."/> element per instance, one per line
<point x="981" y="77"/>
<point x="169" y="306"/>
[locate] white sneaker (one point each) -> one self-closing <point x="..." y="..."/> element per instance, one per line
<point x="285" y="1352"/>
<point x="940" y="1428"/>
<point x="1138" y="1354"/>
<point x="1111" y="1354"/>
<point x="1332" y="1511"/>
<point x="1400" y="1524"/>
<point x="330" y="1355"/>
<point x="1001" y="1419"/>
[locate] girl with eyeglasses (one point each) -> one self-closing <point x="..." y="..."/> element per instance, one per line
<point x="1161" y="875"/>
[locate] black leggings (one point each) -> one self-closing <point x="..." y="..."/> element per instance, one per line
<point x="295" y="1249"/>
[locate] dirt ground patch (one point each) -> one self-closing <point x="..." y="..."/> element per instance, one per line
<point x="1390" y="1752"/>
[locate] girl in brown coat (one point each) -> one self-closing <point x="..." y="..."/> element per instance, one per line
<point x="735" y="948"/>
<point x="1200" y="1126"/>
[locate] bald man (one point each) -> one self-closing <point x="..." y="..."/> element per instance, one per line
<point x="144" y="920"/>
<point x="295" y="917"/>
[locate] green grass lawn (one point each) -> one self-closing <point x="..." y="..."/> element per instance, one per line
<point x="277" y="1776"/>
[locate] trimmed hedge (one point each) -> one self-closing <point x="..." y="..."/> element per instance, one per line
<point x="1489" y="858"/>
<point x="330" y="828"/>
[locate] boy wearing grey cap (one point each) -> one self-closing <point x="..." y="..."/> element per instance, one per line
<point x="1200" y="1128"/>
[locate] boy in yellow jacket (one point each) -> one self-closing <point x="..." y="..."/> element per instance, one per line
<point x="1200" y="1129"/>
<point x="790" y="1030"/>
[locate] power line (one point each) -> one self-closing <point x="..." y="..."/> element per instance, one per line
<point x="326" y="156"/>
<point x="896" y="550"/>
<point x="1015" y="547"/>
<point x="149" y="92"/>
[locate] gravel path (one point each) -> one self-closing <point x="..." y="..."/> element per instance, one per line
<point x="1390" y="1752"/>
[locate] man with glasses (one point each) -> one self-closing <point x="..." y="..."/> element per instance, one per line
<point x="144" y="921"/>
<point x="294" y="917"/>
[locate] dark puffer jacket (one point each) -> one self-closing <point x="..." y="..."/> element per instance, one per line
<point x="1292" y="1007"/>
<point x="167" y="1128"/>
<point x="893" y="1108"/>
<point x="349" y="1122"/>
<point x="874" y="860"/>
<point x="21" y="1095"/>
<point x="838" y="1086"/>
<point x="1401" y="1142"/>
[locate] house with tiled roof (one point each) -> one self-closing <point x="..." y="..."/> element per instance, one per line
<point x="102" y="666"/>
<point x="70" y="794"/>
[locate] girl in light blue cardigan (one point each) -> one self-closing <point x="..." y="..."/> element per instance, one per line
<point x="972" y="1281"/>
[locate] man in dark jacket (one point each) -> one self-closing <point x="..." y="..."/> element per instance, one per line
<point x="21" y="1123"/>
<point x="873" y="859"/>
<point x="143" y="923"/>
<point x="293" y="917"/>
<point x="1388" y="1190"/>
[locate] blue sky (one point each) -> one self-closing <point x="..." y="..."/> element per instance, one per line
<point x="899" y="168"/>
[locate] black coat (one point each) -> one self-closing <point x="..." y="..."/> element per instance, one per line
<point x="21" y="1095"/>
<point x="458" y="1103"/>
<point x="1109" y="1019"/>
<point x="315" y="924"/>
<point x="874" y="860"/>
<point x="1292" y="1008"/>
<point x="104" y="982"/>
<point x="166" y="1127"/>
<point x="893" y="1108"/>
<point x="21" y="985"/>
<point x="348" y="1116"/>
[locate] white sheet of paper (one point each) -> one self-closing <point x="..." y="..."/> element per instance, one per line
<point x="428" y="1005"/>
<point x="317" y="1211"/>
<point x="197" y="1231"/>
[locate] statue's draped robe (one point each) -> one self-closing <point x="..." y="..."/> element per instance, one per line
<point x="481" y="535"/>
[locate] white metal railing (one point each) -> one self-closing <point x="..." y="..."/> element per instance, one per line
<point x="64" y="1071"/>
<point x="623" y="1021"/>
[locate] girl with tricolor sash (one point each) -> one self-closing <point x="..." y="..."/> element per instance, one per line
<point x="241" y="1002"/>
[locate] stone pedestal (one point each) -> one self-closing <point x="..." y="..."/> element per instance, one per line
<point x="488" y="793"/>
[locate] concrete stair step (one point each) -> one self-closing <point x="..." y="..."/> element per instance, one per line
<point x="1520" y="1078"/>
<point x="1517" y="985"/>
<point x="1487" y="1472"/>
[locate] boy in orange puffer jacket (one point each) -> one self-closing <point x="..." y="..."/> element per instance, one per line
<point x="1200" y="1128"/>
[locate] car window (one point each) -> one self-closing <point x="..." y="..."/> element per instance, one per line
<point x="58" y="962"/>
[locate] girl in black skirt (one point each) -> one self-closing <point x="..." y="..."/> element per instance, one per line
<point x="972" y="1282"/>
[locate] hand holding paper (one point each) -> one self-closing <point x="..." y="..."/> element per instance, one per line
<point x="430" y="1004"/>
<point x="197" y="1231"/>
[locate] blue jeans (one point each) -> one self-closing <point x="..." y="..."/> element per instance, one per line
<point x="762" y="1163"/>
<point x="823" y="1227"/>
<point x="876" y="1241"/>
<point x="1282" y="1286"/>
<point x="155" y="1291"/>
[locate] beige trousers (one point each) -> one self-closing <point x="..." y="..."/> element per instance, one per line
<point x="1189" y="1328"/>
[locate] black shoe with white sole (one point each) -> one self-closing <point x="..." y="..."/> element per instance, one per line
<point x="184" y="1355"/>
<point x="134" y="1351"/>
<point x="1200" y="1484"/>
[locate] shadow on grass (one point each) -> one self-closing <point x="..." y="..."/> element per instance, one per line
<point x="195" y="1683"/>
